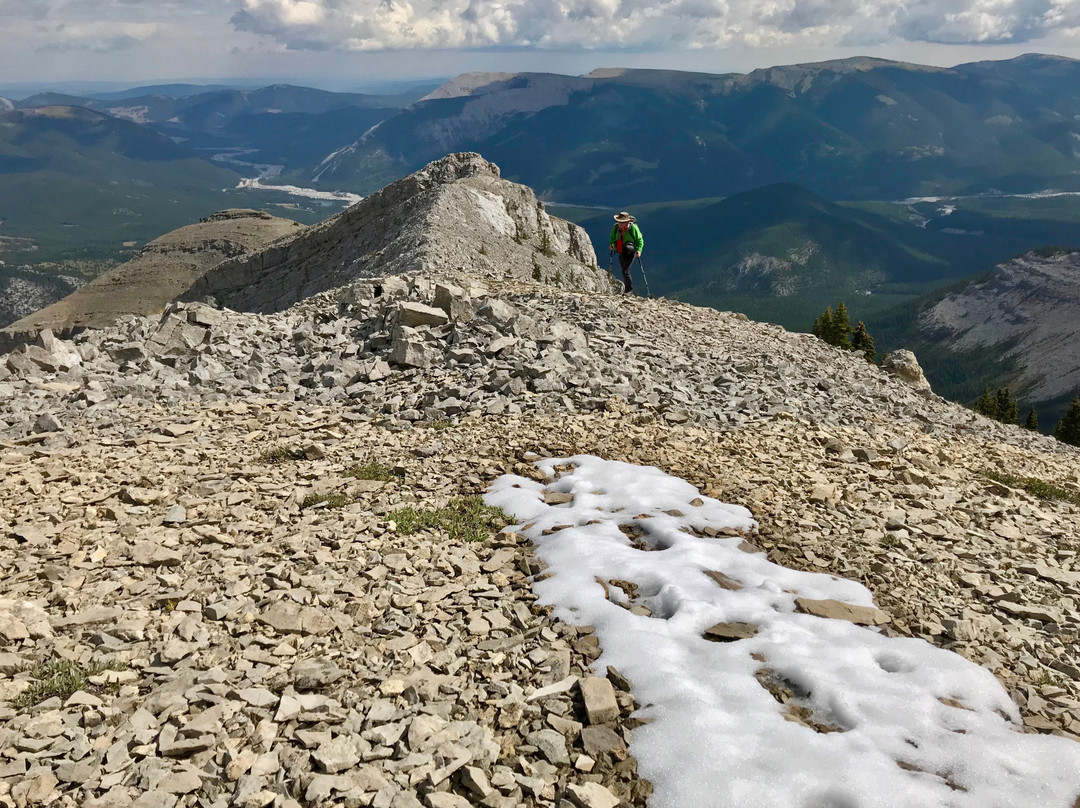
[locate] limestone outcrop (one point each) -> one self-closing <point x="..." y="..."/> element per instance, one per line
<point x="1027" y="310"/>
<point x="455" y="215"/>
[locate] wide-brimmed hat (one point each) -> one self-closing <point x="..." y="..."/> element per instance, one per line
<point x="623" y="217"/>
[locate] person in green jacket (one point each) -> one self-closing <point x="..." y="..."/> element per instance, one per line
<point x="627" y="241"/>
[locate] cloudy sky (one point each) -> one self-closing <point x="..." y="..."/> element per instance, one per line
<point x="350" y="42"/>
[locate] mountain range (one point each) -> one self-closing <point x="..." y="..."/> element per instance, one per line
<point x="851" y="129"/>
<point x="774" y="193"/>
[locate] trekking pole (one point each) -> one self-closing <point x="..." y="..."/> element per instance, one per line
<point x="643" y="275"/>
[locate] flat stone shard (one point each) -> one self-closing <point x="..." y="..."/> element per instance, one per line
<point x="558" y="497"/>
<point x="1036" y="611"/>
<point x="313" y="674"/>
<point x="336" y="755"/>
<point x="837" y="610"/>
<point x="601" y="706"/>
<point x="152" y="554"/>
<point x="591" y="795"/>
<point x="21" y="620"/>
<point x="414" y="315"/>
<point x="291" y="618"/>
<point x="728" y="632"/>
<point x="724" y="581"/>
<point x="601" y="739"/>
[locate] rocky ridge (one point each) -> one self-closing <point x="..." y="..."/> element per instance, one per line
<point x="278" y="650"/>
<point x="147" y="283"/>
<point x="456" y="214"/>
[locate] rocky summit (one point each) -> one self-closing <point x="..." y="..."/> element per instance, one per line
<point x="455" y="214"/>
<point x="242" y="560"/>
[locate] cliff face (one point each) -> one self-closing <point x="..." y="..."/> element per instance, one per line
<point x="1029" y="309"/>
<point x="455" y="215"/>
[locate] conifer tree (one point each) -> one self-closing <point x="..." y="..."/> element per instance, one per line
<point x="840" y="333"/>
<point x="1068" y="428"/>
<point x="1032" y="421"/>
<point x="986" y="404"/>
<point x="1008" y="412"/>
<point x="823" y="325"/>
<point x="862" y="342"/>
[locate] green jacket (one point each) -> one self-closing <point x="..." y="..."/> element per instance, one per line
<point x="631" y="236"/>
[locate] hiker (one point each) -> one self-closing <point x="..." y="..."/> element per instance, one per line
<point x="626" y="240"/>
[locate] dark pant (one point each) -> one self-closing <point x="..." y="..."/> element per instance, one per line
<point x="626" y="258"/>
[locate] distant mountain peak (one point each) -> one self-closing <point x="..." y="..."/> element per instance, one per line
<point x="59" y="112"/>
<point x="468" y="84"/>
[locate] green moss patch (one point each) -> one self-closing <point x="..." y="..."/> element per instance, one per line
<point x="373" y="471"/>
<point x="1034" y="486"/>
<point x="281" y="454"/>
<point x="464" y="519"/>
<point x="62" y="678"/>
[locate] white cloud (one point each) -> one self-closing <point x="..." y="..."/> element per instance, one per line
<point x="373" y="25"/>
<point x="103" y="45"/>
<point x="24" y="9"/>
<point x="97" y="36"/>
<point x="961" y="21"/>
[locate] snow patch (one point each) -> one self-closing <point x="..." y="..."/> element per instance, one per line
<point x="867" y="721"/>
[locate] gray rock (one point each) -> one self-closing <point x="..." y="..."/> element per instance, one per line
<point x="904" y="366"/>
<point x="414" y="315"/>
<point x="837" y="610"/>
<point x="591" y="795"/>
<point x="601" y="706"/>
<point x="314" y="674"/>
<point x="291" y="618"/>
<point x="446" y="799"/>
<point x="21" y="620"/>
<point x="47" y="422"/>
<point x="551" y="744"/>
<point x="336" y="755"/>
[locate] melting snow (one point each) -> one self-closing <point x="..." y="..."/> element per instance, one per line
<point x="871" y="720"/>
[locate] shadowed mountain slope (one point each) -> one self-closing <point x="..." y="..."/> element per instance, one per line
<point x="848" y="129"/>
